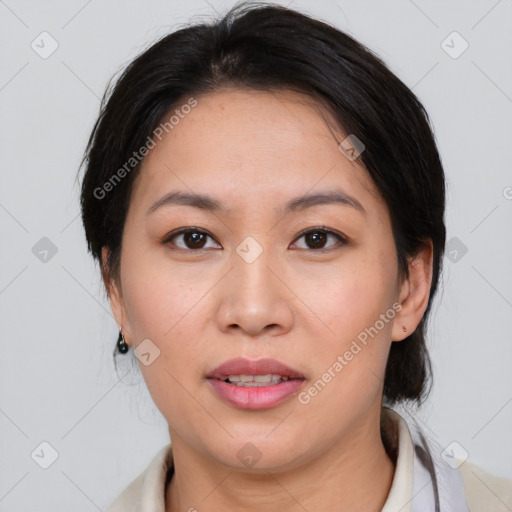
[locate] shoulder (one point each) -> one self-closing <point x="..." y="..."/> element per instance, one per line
<point x="146" y="493"/>
<point x="485" y="492"/>
<point x="130" y="498"/>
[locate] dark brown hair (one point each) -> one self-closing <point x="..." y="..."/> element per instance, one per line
<point x="268" y="47"/>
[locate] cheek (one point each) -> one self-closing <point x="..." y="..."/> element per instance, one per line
<point x="164" y="307"/>
<point x="352" y="297"/>
<point x="159" y="294"/>
<point x="349" y="363"/>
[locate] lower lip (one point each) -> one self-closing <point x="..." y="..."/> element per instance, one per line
<point x="256" y="397"/>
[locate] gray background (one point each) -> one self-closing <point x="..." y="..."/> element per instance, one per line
<point x="58" y="382"/>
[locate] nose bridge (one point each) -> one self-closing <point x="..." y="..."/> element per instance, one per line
<point x="255" y="298"/>
<point x="254" y="279"/>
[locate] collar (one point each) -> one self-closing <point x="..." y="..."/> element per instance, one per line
<point x="422" y="481"/>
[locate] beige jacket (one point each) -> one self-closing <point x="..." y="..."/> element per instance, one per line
<point x="484" y="492"/>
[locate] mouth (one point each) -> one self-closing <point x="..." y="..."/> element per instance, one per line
<point x="260" y="384"/>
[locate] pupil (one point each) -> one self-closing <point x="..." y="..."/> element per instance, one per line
<point x="318" y="238"/>
<point x="195" y="239"/>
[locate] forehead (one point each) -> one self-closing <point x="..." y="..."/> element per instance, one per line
<point x="252" y="144"/>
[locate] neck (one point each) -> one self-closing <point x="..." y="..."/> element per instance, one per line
<point x="355" y="473"/>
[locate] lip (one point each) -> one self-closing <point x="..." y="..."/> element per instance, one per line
<point x="242" y="366"/>
<point x="257" y="397"/>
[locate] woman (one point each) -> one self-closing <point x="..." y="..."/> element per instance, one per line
<point x="266" y="200"/>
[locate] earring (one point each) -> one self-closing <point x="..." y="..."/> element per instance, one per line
<point x="122" y="346"/>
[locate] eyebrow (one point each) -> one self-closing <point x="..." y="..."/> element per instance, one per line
<point x="205" y="202"/>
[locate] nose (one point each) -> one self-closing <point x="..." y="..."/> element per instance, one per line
<point x="254" y="298"/>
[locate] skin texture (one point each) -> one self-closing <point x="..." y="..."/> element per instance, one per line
<point x="254" y="151"/>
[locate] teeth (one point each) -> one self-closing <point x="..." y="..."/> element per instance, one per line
<point x="256" y="380"/>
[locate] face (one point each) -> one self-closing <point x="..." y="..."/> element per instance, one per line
<point x="259" y="272"/>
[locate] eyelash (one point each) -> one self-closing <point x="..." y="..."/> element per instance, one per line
<point x="319" y="229"/>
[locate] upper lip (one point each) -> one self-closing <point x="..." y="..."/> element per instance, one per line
<point x="242" y="366"/>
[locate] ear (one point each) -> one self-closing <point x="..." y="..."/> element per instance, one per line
<point x="115" y="296"/>
<point x="414" y="293"/>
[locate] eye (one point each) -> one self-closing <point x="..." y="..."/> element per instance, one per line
<point x="317" y="237"/>
<point x="192" y="238"/>
<point x="196" y="239"/>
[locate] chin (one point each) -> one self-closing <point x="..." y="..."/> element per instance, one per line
<point x="259" y="452"/>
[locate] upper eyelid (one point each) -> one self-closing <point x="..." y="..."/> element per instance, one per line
<point x="341" y="238"/>
<point x="320" y="228"/>
<point x="182" y="231"/>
